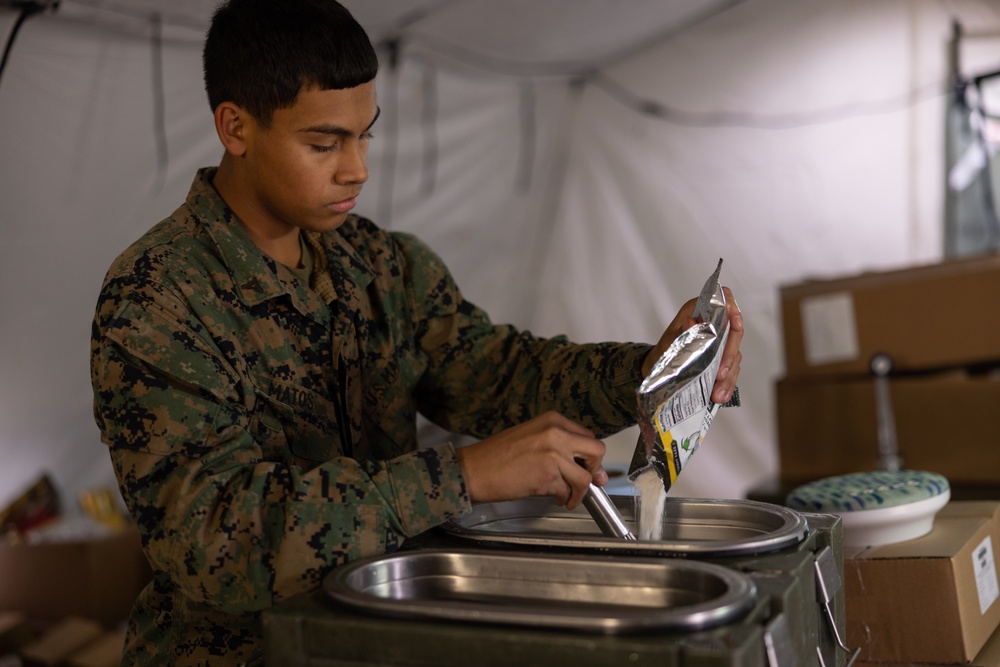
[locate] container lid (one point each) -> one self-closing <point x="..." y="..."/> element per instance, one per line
<point x="877" y="508"/>
<point x="867" y="491"/>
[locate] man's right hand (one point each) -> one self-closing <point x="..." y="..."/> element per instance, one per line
<point x="536" y="458"/>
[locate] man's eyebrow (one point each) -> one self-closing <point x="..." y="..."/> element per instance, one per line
<point x="378" y="112"/>
<point x="336" y="130"/>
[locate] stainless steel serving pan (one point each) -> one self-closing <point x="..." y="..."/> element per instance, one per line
<point x="588" y="593"/>
<point x="691" y="527"/>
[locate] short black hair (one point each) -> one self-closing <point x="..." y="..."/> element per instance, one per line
<point x="260" y="53"/>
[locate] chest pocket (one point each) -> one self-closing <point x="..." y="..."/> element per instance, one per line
<point x="293" y="424"/>
<point x="389" y="412"/>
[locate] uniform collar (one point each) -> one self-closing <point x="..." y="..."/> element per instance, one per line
<point x="255" y="274"/>
<point x="252" y="272"/>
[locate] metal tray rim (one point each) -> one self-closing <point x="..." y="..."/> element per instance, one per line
<point x="793" y="530"/>
<point x="733" y="605"/>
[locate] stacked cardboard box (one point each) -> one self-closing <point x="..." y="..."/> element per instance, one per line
<point x="938" y="323"/>
<point x="15" y="631"/>
<point x="96" y="577"/>
<point x="931" y="600"/>
<point x="945" y="422"/>
<point x="72" y="642"/>
<point x="67" y="584"/>
<point x="66" y="601"/>
<point x="989" y="656"/>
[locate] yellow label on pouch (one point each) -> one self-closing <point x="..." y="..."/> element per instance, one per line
<point x="673" y="461"/>
<point x="682" y="438"/>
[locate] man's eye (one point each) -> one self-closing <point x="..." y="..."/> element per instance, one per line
<point x="322" y="149"/>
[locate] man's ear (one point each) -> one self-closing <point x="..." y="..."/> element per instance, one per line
<point x="231" y="126"/>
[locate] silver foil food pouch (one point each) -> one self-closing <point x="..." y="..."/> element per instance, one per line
<point x="675" y="404"/>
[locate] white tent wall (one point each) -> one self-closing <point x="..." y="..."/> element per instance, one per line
<point x="80" y="181"/>
<point x="825" y="165"/>
<point x="830" y="162"/>
<point x="557" y="207"/>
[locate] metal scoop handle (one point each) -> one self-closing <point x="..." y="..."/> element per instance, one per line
<point x="605" y="514"/>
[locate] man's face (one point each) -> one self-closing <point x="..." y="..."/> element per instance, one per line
<point x="306" y="169"/>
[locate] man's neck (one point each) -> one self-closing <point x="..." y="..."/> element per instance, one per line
<point x="280" y="243"/>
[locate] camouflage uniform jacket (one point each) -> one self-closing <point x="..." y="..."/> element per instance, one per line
<point x="262" y="434"/>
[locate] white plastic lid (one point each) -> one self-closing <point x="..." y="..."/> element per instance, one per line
<point x="878" y="507"/>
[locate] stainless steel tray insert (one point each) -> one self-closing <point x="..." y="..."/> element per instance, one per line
<point x="584" y="593"/>
<point x="692" y="527"/>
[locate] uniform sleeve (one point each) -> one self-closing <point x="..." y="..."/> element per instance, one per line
<point x="483" y="378"/>
<point x="229" y="528"/>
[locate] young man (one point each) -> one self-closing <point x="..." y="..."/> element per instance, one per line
<point x="259" y="358"/>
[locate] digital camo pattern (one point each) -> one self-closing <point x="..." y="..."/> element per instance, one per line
<point x="262" y="434"/>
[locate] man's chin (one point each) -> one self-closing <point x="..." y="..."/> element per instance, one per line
<point x="327" y="223"/>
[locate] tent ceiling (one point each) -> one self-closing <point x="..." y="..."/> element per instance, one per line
<point x="555" y="35"/>
<point x="513" y="36"/>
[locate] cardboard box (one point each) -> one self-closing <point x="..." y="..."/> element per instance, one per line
<point x="933" y="316"/>
<point x="945" y="423"/>
<point x="933" y="599"/>
<point x="987" y="509"/>
<point x="989" y="656"/>
<point x="62" y="640"/>
<point x="97" y="578"/>
<point x="15" y="631"/>
<point x="105" y="651"/>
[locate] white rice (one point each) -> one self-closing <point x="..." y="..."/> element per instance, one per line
<point x="652" y="498"/>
